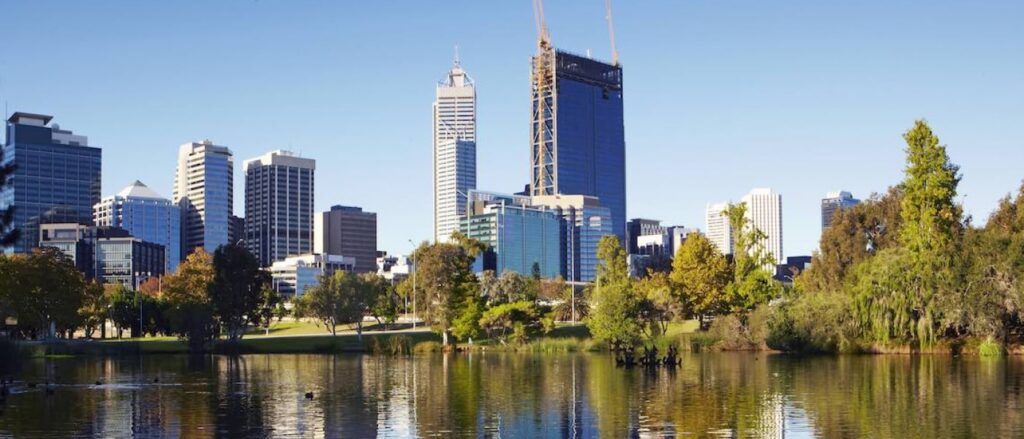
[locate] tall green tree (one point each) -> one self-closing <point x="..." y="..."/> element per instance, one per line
<point x="237" y="290"/>
<point x="187" y="293"/>
<point x="752" y="284"/>
<point x="700" y="274"/>
<point x="614" y="318"/>
<point x="445" y="276"/>
<point x="43" y="290"/>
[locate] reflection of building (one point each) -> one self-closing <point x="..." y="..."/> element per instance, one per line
<point x="577" y="133"/>
<point x="204" y="189"/>
<point x="107" y="254"/>
<point x="584" y="222"/>
<point x="54" y="168"/>
<point x="764" y="213"/>
<point x="454" y="150"/>
<point x="293" y="275"/>
<point x="278" y="206"/>
<point x="833" y="202"/>
<point x="346" y="230"/>
<point x="518" y="239"/>
<point x="719" y="232"/>
<point x="145" y="215"/>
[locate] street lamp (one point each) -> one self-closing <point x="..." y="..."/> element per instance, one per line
<point x="413" y="284"/>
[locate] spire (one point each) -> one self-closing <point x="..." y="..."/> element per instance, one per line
<point x="456" y="63"/>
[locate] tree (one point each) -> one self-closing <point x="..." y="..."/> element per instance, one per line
<point x="515" y="321"/>
<point x="752" y="284"/>
<point x="8" y="233"/>
<point x="383" y="299"/>
<point x="187" y="292"/>
<point x="445" y="280"/>
<point x="614" y="319"/>
<point x="338" y="299"/>
<point x="509" y="287"/>
<point x="660" y="303"/>
<point x="124" y="308"/>
<point x="700" y="274"/>
<point x="268" y="308"/>
<point x="237" y="290"/>
<point x="93" y="312"/>
<point x="573" y="307"/>
<point x="855" y="234"/>
<point x="43" y="290"/>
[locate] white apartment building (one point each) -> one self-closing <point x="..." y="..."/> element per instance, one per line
<point x="764" y="211"/>
<point x="719" y="232"/>
<point x="204" y="190"/>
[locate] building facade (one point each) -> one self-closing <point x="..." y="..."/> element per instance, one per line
<point x="55" y="169"/>
<point x="577" y="134"/>
<point x="293" y="275"/>
<point x="279" y="206"/>
<point x="204" y="190"/>
<point x="518" y="239"/>
<point x="719" y="231"/>
<point x="764" y="212"/>
<point x="638" y="227"/>
<point x="454" y="149"/>
<point x="348" y="231"/>
<point x="145" y="215"/>
<point x="833" y="202"/>
<point x="584" y="221"/>
<point x="106" y="254"/>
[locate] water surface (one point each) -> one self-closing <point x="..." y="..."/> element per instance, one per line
<point x="513" y="396"/>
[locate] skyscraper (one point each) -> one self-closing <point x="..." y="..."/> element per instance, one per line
<point x="518" y="239"/>
<point x="347" y="231"/>
<point x="578" y="144"/>
<point x="279" y="206"/>
<point x="584" y="223"/>
<point x="146" y="216"/>
<point x="719" y="230"/>
<point x="764" y="212"/>
<point x="454" y="149"/>
<point x="56" y="170"/>
<point x="203" y="189"/>
<point x="832" y="202"/>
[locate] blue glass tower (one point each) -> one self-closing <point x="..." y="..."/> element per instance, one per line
<point x="578" y="144"/>
<point x="517" y="239"/>
<point x="56" y="171"/>
<point x="146" y="216"/>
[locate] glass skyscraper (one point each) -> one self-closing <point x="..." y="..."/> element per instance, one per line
<point x="204" y="190"/>
<point x="578" y="144"/>
<point x="146" y="216"/>
<point x="279" y="206"/>
<point x="583" y="222"/>
<point x="56" y="171"/>
<point x="833" y="202"/>
<point x="517" y="238"/>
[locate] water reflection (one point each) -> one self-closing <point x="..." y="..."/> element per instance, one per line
<point x="509" y="395"/>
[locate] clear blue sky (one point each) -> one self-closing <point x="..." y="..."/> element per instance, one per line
<point x="721" y="96"/>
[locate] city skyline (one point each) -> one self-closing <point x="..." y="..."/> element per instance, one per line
<point x="768" y="129"/>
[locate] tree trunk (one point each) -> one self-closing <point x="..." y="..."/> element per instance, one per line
<point x="359" y="330"/>
<point x="444" y="338"/>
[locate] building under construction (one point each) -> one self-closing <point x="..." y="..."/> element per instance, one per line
<point x="578" y="144"/>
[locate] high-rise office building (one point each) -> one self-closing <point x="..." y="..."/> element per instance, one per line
<point x="204" y="190"/>
<point x="638" y="227"/>
<point x="719" y="231"/>
<point x="146" y="216"/>
<point x="347" y="231"/>
<point x="764" y="212"/>
<point x="454" y="149"/>
<point x="279" y="206"/>
<point x="832" y="202"/>
<point x="577" y="134"/>
<point x="584" y="222"/>
<point x="518" y="239"/>
<point x="55" y="170"/>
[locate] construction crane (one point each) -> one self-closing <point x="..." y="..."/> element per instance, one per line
<point x="542" y="26"/>
<point x="611" y="31"/>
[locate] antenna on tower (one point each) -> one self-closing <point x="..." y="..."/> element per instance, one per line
<point x="456" y="55"/>
<point x="611" y="31"/>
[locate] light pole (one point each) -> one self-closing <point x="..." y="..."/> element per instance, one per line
<point x="413" y="284"/>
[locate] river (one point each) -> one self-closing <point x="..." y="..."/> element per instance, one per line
<point x="513" y="396"/>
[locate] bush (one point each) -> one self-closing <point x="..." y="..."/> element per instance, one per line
<point x="730" y="334"/>
<point x="990" y="348"/>
<point x="813" y="323"/>
<point x="425" y="347"/>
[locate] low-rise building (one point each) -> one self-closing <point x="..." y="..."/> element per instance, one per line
<point x="294" y="275"/>
<point x="106" y="254"/>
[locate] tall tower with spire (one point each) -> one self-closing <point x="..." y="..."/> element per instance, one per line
<point x="454" y="148"/>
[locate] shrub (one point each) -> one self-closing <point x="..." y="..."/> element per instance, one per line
<point x="990" y="348"/>
<point x="813" y="322"/>
<point x="425" y="347"/>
